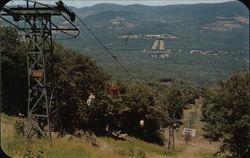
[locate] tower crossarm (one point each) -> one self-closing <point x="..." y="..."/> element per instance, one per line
<point x="51" y="10"/>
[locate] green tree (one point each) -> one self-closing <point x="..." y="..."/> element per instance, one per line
<point x="124" y="112"/>
<point x="173" y="103"/>
<point x="13" y="72"/>
<point x="74" y="77"/>
<point x="189" y="95"/>
<point x="226" y="114"/>
<point x="142" y="101"/>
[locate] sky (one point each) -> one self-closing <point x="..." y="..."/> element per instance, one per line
<point x="88" y="3"/>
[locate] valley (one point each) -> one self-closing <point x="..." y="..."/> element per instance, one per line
<point x="156" y="37"/>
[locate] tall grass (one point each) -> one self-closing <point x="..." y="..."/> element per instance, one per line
<point x="208" y="155"/>
<point x="18" y="146"/>
<point x="133" y="146"/>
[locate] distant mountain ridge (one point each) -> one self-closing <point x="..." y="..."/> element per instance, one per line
<point x="212" y="40"/>
<point x="202" y="42"/>
<point x="183" y="21"/>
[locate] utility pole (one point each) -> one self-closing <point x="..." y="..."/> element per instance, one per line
<point x="37" y="26"/>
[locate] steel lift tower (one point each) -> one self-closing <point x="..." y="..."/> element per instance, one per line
<point x="35" y="19"/>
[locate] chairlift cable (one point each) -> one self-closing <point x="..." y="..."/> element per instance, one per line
<point x="105" y="48"/>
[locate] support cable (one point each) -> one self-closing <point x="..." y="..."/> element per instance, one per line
<point x="105" y="48"/>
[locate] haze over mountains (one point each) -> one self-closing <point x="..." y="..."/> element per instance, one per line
<point x="203" y="26"/>
<point x="211" y="41"/>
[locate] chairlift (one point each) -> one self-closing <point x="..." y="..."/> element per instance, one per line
<point x="90" y="98"/>
<point x="142" y="123"/>
<point x="115" y="91"/>
<point x="174" y="123"/>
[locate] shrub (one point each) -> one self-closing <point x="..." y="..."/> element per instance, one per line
<point x="140" y="154"/>
<point x="90" y="137"/>
<point x="33" y="154"/>
<point x="19" y="127"/>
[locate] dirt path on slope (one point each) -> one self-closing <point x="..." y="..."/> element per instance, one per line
<point x="208" y="147"/>
<point x="190" y="151"/>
